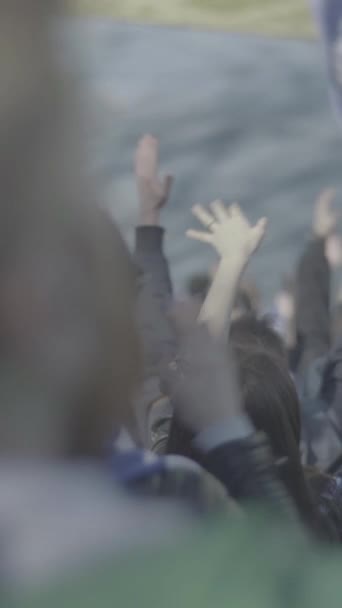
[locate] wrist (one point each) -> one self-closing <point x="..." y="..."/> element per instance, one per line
<point x="321" y="231"/>
<point x="235" y="263"/>
<point x="149" y="217"/>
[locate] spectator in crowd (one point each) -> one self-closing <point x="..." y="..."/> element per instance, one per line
<point x="317" y="359"/>
<point x="268" y="392"/>
<point x="154" y="407"/>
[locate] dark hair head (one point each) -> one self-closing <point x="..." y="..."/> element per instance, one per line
<point x="270" y="399"/>
<point x="249" y="332"/>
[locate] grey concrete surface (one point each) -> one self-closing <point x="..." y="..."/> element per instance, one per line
<point x="243" y="118"/>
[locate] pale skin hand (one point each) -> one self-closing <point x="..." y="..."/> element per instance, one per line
<point x="235" y="240"/>
<point x="228" y="231"/>
<point x="333" y="250"/>
<point x="285" y="305"/>
<point x="325" y="218"/>
<point x="153" y="191"/>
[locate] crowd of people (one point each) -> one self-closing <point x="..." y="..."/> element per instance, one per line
<point x="153" y="452"/>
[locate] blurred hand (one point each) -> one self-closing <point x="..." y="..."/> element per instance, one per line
<point x="201" y="382"/>
<point x="325" y="218"/>
<point x="228" y="231"/>
<point x="333" y="250"/>
<point x="339" y="295"/>
<point x="285" y="304"/>
<point x="153" y="192"/>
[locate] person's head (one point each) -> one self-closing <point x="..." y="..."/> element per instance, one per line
<point x="249" y="332"/>
<point x="268" y="391"/>
<point x="270" y="399"/>
<point x="68" y="345"/>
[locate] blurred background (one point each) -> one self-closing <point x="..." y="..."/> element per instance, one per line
<point x="238" y="94"/>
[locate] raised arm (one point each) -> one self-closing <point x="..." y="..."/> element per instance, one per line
<point x="153" y="195"/>
<point x="235" y="241"/>
<point x="313" y="287"/>
<point x="155" y="288"/>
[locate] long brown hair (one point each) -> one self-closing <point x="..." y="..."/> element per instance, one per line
<point x="270" y="398"/>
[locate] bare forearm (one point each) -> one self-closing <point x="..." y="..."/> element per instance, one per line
<point x="217" y="308"/>
<point x="148" y="217"/>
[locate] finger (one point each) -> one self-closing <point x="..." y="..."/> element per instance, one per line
<point x="196" y="235"/>
<point x="259" y="231"/>
<point x="167" y="185"/>
<point x="219" y="211"/>
<point x="147" y="142"/>
<point x="262" y="224"/>
<point x="151" y="153"/>
<point x="235" y="210"/>
<point x="327" y="197"/>
<point x="203" y="216"/>
<point x="147" y="156"/>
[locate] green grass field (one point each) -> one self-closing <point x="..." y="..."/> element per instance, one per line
<point x="273" y="17"/>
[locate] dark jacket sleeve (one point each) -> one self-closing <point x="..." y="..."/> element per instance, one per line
<point x="332" y="387"/>
<point x="312" y="305"/>
<point x="157" y="335"/>
<point x="246" y="468"/>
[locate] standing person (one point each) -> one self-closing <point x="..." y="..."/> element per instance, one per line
<point x="268" y="392"/>
<point x="155" y="294"/>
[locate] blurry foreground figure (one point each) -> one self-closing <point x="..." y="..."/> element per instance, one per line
<point x="62" y="322"/>
<point x="69" y="366"/>
<point x="69" y="357"/>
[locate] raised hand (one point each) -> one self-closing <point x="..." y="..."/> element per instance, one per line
<point x="228" y="230"/>
<point x="333" y="250"/>
<point x="153" y="191"/>
<point x="235" y="240"/>
<point x="325" y="218"/>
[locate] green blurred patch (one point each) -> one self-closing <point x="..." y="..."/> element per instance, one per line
<point x="270" y="17"/>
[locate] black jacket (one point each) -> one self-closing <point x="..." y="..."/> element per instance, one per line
<point x="155" y="296"/>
